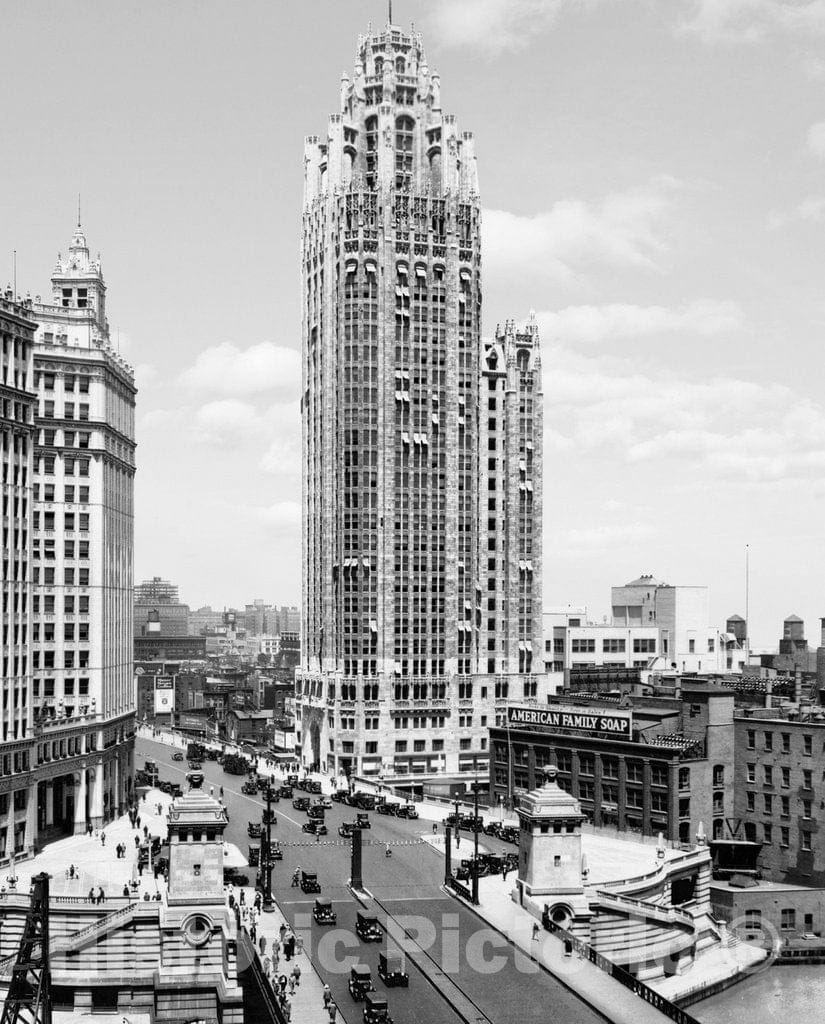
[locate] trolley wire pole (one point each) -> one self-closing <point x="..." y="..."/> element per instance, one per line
<point x="28" y="1000"/>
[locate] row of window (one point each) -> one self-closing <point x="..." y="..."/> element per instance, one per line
<point x="785" y="740"/>
<point x="768" y="776"/>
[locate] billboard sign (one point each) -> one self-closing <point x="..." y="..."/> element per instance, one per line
<point x="164" y="695"/>
<point x="594" y="722"/>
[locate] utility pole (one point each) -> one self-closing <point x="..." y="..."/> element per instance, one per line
<point x="475" y="843"/>
<point x="448" y="867"/>
<point x="268" y="904"/>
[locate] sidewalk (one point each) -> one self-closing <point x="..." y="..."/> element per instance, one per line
<point x="307" y="1000"/>
<point x="97" y="864"/>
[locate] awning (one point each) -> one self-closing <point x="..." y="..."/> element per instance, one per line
<point x="352" y="266"/>
<point x="401" y="268"/>
<point x="465" y="275"/>
<point x="425" y="440"/>
<point x="529" y="486"/>
<point x="405" y="437"/>
<point x="370" y="267"/>
<point x="420" y="270"/>
<point x="373" y="626"/>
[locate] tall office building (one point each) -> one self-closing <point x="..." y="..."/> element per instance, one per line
<point x="421" y="461"/>
<point x="82" y="645"/>
<point x="17" y="787"/>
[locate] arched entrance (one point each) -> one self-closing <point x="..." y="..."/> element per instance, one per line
<point x="315" y="743"/>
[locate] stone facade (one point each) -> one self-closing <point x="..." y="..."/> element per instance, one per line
<point x="421" y="551"/>
<point x="83" y="552"/>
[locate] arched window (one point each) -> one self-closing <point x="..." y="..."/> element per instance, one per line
<point x="400" y="66"/>
<point x="404" y="128"/>
<point x="371" y="133"/>
<point x="379" y="66"/>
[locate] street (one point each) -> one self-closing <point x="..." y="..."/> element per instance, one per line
<point x="406" y="885"/>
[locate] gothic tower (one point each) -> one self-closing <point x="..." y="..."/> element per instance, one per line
<point x="394" y="590"/>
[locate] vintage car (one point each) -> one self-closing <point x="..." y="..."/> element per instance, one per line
<point x="454" y="820"/>
<point x="314" y="787"/>
<point x="362" y="820"/>
<point x="509" y="833"/>
<point x="275" y="851"/>
<point x="314" y="828"/>
<point x="391" y="970"/>
<point x="367" y="928"/>
<point x="346" y="828"/>
<point x="366" y="801"/>
<point x="292" y="780"/>
<point x="285" y="792"/>
<point x="269" y="818"/>
<point x="388" y="807"/>
<point x="177" y="756"/>
<point x="195" y="766"/>
<point x="407" y="811"/>
<point x="175" y="789"/>
<point x="301" y="803"/>
<point x="249" y="789"/>
<point x="317" y="812"/>
<point x="360" y="981"/>
<point x="340" y="796"/>
<point x="254" y="829"/>
<point x="210" y="754"/>
<point x="325" y="802"/>
<point x="309" y="882"/>
<point x="492" y="828"/>
<point x="254" y="857"/>
<point x="234" y="876"/>
<point x="492" y="862"/>
<point x="323" y="912"/>
<point x="376" y="1010"/>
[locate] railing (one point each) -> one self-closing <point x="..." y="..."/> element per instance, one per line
<point x="644" y="908"/>
<point x="460" y="889"/>
<point x="587" y="952"/>
<point x="100" y="927"/>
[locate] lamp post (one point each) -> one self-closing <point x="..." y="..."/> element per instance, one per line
<point x="457" y="822"/>
<point x="475" y="788"/>
<point x="268" y="906"/>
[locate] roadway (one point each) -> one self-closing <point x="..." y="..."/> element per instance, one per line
<point x="406" y="885"/>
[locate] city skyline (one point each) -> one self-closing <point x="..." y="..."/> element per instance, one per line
<point x="655" y="197"/>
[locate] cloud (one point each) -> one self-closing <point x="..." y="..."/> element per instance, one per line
<point x="816" y="139"/>
<point x="497" y="26"/>
<point x="811" y="210"/>
<point x="751" y="21"/>
<point x="721" y="428"/>
<point x="621" y="320"/>
<point x="228" y="370"/>
<point x="225" y="423"/>
<point x="623" y="229"/>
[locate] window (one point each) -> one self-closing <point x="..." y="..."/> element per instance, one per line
<point x="583" y="645"/>
<point x="751" y="768"/>
<point x="400" y="746"/>
<point x="807" y="778"/>
<point x="718" y="775"/>
<point x="753" y="919"/>
<point x="768" y="775"/>
<point x="785" y="836"/>
<point x="768" y="799"/>
<point x="805" y="841"/>
<point x="691" y="646"/>
<point x="788" y="920"/>
<point x="786" y="743"/>
<point x="751" y="801"/>
<point x="644" y="645"/>
<point x="807" y="744"/>
<point x="769" y="741"/>
<point x="767" y="833"/>
<point x="806" y="808"/>
<point x="786" y="778"/>
<point x="419" y="746"/>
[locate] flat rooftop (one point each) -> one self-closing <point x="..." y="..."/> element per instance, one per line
<point x="615" y="860"/>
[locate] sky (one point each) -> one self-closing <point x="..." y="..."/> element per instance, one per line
<point x="653" y="186"/>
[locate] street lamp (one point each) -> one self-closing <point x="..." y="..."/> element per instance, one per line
<point x="475" y="786"/>
<point x="268" y="905"/>
<point x="457" y="822"/>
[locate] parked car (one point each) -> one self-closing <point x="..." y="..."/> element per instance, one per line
<point x="325" y="802"/>
<point x="254" y="857"/>
<point x="509" y="833"/>
<point x="314" y="786"/>
<point x="269" y="818"/>
<point x="367" y="928"/>
<point x="388" y="807"/>
<point x="390" y="970"/>
<point x="346" y="828"/>
<point x="177" y="756"/>
<point x="301" y="803"/>
<point x="285" y="792"/>
<point x="360" y="981"/>
<point x="314" y="828"/>
<point x="492" y="828"/>
<point x="175" y="789"/>
<point x="362" y="820"/>
<point x="376" y="1010"/>
<point x="340" y="796"/>
<point x="309" y="882"/>
<point x="317" y="812"/>
<point x="234" y="876"/>
<point x="366" y="801"/>
<point x="210" y="754"/>
<point x="249" y="788"/>
<point x="407" y="810"/>
<point x="254" y="829"/>
<point x="322" y="912"/>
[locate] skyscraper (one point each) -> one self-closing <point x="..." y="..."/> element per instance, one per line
<point x="17" y="790"/>
<point x="418" y="579"/>
<point x="82" y="645"/>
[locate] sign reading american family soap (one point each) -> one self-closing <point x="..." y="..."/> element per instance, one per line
<point x="617" y="724"/>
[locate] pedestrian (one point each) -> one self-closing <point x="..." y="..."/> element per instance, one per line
<point x="288" y="948"/>
<point x="327" y="996"/>
<point x="296" y="973"/>
<point x="102" y="838"/>
<point x="71" y="871"/>
<point x="145" y="831"/>
<point x="286" y="1006"/>
<point x="282" y="983"/>
<point x="332" y="1010"/>
<point x="296" y="876"/>
<point x="126" y="891"/>
<point x="101" y="895"/>
<point x="221" y="792"/>
<point x="137" y="821"/>
<point x="291" y="985"/>
<point x="231" y="900"/>
<point x="536" y="931"/>
<point x="262" y="944"/>
<point x="92" y="895"/>
<point x="140" y="869"/>
<point x="243" y="898"/>
<point x="137" y="841"/>
<point x="282" y="932"/>
<point x="435" y="827"/>
<point x="253" y="933"/>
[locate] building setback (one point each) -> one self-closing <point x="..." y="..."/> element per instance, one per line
<point x="421" y="446"/>
<point x="18" y="792"/>
<point x="82" y="553"/>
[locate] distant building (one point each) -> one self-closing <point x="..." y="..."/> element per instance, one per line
<point x="158" y="609"/>
<point x="254" y="727"/>
<point x="203" y="619"/>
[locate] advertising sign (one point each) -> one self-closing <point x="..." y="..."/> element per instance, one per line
<point x="594" y="722"/>
<point x="164" y="696"/>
